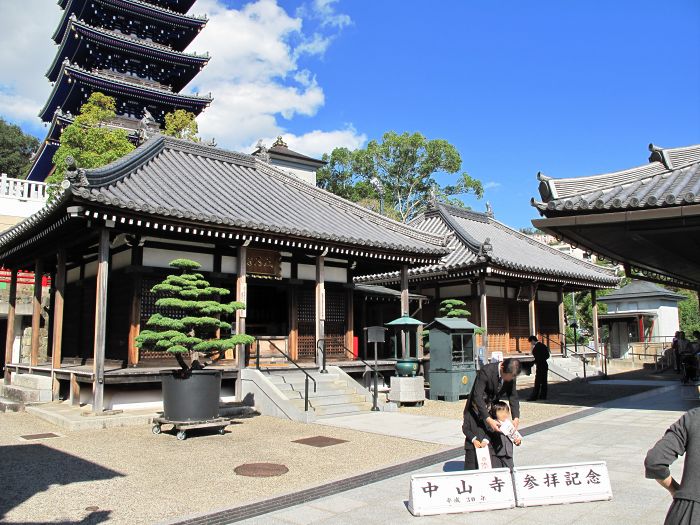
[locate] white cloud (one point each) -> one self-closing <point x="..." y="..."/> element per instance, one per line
<point x="255" y="78"/>
<point x="492" y="185"/>
<point x="317" y="142"/>
<point x="26" y="27"/>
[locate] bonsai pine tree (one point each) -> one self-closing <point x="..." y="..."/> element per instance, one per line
<point x="454" y="308"/>
<point x="201" y="331"/>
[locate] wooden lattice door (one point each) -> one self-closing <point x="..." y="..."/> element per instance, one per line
<point x="306" y="325"/>
<point x="336" y="306"/>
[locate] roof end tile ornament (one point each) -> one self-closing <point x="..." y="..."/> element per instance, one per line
<point x="261" y="152"/>
<point x="485" y="251"/>
<point x="548" y="190"/>
<point x="148" y="126"/>
<point x="659" y="155"/>
<point x="74" y="177"/>
<point x="489" y="210"/>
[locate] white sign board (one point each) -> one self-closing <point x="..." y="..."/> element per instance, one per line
<point x="465" y="491"/>
<point x="555" y="484"/>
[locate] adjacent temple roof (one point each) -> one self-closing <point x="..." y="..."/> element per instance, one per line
<point x="280" y="151"/>
<point x="187" y="183"/>
<point x="641" y="290"/>
<point x="478" y="241"/>
<point x="671" y="178"/>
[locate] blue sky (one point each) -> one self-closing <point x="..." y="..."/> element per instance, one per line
<point x="567" y="88"/>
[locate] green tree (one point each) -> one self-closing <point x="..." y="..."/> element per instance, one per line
<point x="16" y="149"/>
<point x="688" y="313"/>
<point x="454" y="308"/>
<point x="405" y="166"/>
<point x="181" y="124"/>
<point x="88" y="140"/>
<point x="200" y="329"/>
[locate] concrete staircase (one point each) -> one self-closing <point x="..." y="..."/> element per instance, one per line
<point x="26" y="389"/>
<point x="280" y="393"/>
<point x="570" y="368"/>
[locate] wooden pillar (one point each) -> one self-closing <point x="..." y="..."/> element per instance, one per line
<point x="350" y="322"/>
<point x="320" y="301"/>
<point x="59" y="299"/>
<point x="10" y="334"/>
<point x="594" y="308"/>
<point x="293" y="323"/>
<point x="241" y="296"/>
<point x="532" y="320"/>
<point x="483" y="313"/>
<point x="36" y="313"/>
<point x="562" y="320"/>
<point x="363" y="325"/>
<point x="134" y="320"/>
<point x="100" y="322"/>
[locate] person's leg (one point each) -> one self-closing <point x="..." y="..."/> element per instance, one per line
<point x="470" y="457"/>
<point x="535" y="389"/>
<point x="543" y="382"/>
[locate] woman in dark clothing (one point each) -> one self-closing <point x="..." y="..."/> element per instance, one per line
<point x="681" y="438"/>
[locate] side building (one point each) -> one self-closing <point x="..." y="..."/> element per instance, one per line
<point x="513" y="285"/>
<point x="132" y="50"/>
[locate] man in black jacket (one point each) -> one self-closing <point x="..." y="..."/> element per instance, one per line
<point x="541" y="353"/>
<point x="492" y="382"/>
<point x="683" y="437"/>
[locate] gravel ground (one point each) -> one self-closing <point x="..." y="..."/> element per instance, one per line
<point x="128" y="475"/>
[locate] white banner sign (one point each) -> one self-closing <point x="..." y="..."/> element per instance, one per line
<point x="465" y="491"/>
<point x="555" y="484"/>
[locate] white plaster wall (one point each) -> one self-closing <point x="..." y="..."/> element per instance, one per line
<point x="286" y="270"/>
<point x="159" y="258"/>
<point x="121" y="259"/>
<point x="336" y="275"/>
<point x="668" y="321"/>
<point x="229" y="264"/>
<point x="91" y="269"/>
<point x="547" y="296"/>
<point x="448" y="292"/>
<point x="306" y="272"/>
<point x="495" y="291"/>
<point x="307" y="174"/>
<point x="15" y="207"/>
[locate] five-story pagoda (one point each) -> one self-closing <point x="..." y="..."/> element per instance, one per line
<point x="132" y="50"/>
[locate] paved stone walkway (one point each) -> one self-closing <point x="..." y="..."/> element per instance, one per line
<point x="620" y="434"/>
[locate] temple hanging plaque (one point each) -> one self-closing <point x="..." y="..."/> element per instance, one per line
<point x="264" y="263"/>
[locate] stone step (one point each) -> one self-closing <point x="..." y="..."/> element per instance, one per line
<point x="24" y="395"/>
<point x="299" y="394"/>
<point x="326" y="401"/>
<point x="300" y="378"/>
<point x="32" y="381"/>
<point x="7" y="405"/>
<point x="343" y="408"/>
<point x="324" y="386"/>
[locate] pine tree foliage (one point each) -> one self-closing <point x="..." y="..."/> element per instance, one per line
<point x="454" y="308"/>
<point x="201" y="330"/>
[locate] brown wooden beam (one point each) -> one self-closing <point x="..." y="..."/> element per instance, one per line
<point x="100" y="321"/>
<point x="59" y="283"/>
<point x="10" y="334"/>
<point x="36" y="314"/>
<point x="594" y="309"/>
<point x="531" y="316"/>
<point x="293" y="323"/>
<point x="350" y="322"/>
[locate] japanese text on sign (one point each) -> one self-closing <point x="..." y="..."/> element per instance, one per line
<point x="467" y="491"/>
<point x="554" y="484"/>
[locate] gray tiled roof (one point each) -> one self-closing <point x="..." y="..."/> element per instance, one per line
<point x="182" y="179"/>
<point x="671" y="178"/>
<point x="478" y="239"/>
<point x="640" y="289"/>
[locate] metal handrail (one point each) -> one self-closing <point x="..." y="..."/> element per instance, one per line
<point x="321" y="345"/>
<point x="306" y="379"/>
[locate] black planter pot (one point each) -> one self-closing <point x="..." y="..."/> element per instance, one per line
<point x="195" y="398"/>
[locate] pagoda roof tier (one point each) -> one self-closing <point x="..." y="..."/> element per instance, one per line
<point x="42" y="163"/>
<point x="189" y="26"/>
<point x="69" y="94"/>
<point x="179" y="6"/>
<point x="79" y="34"/>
